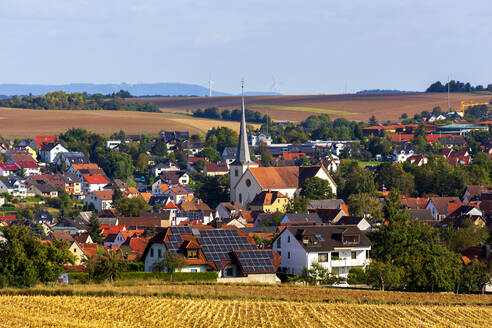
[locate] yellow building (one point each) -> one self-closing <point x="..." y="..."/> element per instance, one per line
<point x="269" y="202"/>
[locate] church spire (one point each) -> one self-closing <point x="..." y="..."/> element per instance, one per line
<point x="242" y="155"/>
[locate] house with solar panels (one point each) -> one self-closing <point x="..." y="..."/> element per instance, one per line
<point x="230" y="252"/>
<point x="338" y="248"/>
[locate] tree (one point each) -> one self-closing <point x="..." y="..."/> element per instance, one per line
<point x="380" y="274"/>
<point x="297" y="205"/>
<point x="219" y="138"/>
<point x="131" y="207"/>
<point x="210" y="153"/>
<point x="469" y="235"/>
<point x="363" y="204"/>
<point x="317" y="274"/>
<point x="94" y="229"/>
<point x="316" y="188"/>
<point x="142" y="162"/>
<point x="474" y="277"/>
<point x="109" y="265"/>
<point x="170" y="263"/>
<point x="25" y="261"/>
<point x="373" y="121"/>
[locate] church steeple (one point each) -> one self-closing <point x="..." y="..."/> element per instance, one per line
<point x="242" y="154"/>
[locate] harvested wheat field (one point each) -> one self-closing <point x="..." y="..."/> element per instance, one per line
<point x="18" y="123"/>
<point x="85" y="311"/>
<point x="351" y="106"/>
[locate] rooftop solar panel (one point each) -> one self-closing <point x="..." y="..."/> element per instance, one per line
<point x="255" y="261"/>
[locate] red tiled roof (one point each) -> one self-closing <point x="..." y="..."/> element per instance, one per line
<point x="92" y="166"/>
<point x="216" y="167"/>
<point x="286" y="177"/>
<point x="292" y="156"/>
<point x="27" y="164"/>
<point x="104" y="194"/>
<point x="95" y="179"/>
<point x="9" y="167"/>
<point x="40" y="140"/>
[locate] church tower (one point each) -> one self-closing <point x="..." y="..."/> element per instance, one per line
<point x="243" y="159"/>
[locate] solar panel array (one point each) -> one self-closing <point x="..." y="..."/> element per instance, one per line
<point x="176" y="238"/>
<point x="181" y="230"/>
<point x="217" y="245"/>
<point x="172" y="246"/>
<point x="255" y="261"/>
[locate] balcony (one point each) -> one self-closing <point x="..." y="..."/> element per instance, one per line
<point x="346" y="262"/>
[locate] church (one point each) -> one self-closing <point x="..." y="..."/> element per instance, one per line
<point x="248" y="179"/>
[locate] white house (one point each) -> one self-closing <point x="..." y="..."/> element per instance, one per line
<point x="401" y="154"/>
<point x="7" y="169"/>
<point x="438" y="206"/>
<point x="49" y="151"/>
<point x="93" y="182"/>
<point x="101" y="200"/>
<point x="112" y="144"/>
<point x="338" y="248"/>
<point x="164" y="167"/>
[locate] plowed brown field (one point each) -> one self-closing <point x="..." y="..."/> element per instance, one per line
<point x="29" y="123"/>
<point x="353" y="107"/>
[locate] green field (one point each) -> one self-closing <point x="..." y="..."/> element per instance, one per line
<point x="305" y="109"/>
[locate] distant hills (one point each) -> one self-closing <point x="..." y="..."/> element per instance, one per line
<point x="138" y="90"/>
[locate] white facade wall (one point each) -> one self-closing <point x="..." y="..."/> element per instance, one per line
<point x="150" y="260"/>
<point x="298" y="256"/>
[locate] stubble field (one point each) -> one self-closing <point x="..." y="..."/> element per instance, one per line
<point x="350" y="106"/>
<point x="154" y="304"/>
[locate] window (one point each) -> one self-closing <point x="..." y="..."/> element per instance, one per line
<point x="288" y="239"/>
<point x="75" y="250"/>
<point x="240" y="198"/>
<point x="229" y="272"/>
<point x="279" y="243"/>
<point x="350" y="239"/>
<point x="367" y="254"/>
<point x="248" y="182"/>
<point x="193" y="270"/>
<point x="322" y="257"/>
<point x="192" y="253"/>
<point x="279" y="253"/>
<point x="288" y="255"/>
<point x="151" y="252"/>
<point x="335" y="256"/>
<point x="354" y="255"/>
<point x="159" y="252"/>
<point x="236" y="172"/>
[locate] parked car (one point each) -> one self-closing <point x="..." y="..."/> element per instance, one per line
<point x="341" y="284"/>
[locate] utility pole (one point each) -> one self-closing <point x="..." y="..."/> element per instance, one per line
<point x="449" y="106"/>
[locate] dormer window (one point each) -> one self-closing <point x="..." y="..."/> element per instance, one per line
<point x="192" y="253"/>
<point x="350" y="239"/>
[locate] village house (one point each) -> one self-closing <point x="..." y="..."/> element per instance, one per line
<point x="359" y="222"/>
<point x="438" y="206"/>
<point x="7" y="169"/>
<point x="337" y="248"/>
<point x="40" y="188"/>
<point x="101" y="199"/>
<point x="48" y="151"/>
<point x="226" y="209"/>
<point x="164" y="166"/>
<point x="229" y="252"/>
<point x="179" y="194"/>
<point x="93" y="182"/>
<point x="269" y="202"/>
<point x="215" y="169"/>
<point x="301" y="219"/>
<point x="402" y="153"/>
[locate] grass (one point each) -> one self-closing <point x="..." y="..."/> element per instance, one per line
<point x="305" y="109"/>
<point x="368" y="163"/>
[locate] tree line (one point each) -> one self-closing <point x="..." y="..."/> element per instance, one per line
<point x="457" y="86"/>
<point x="234" y="115"/>
<point x="78" y="101"/>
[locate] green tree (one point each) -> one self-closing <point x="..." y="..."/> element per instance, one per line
<point x="379" y="274"/>
<point x="170" y="263"/>
<point x="373" y="121"/>
<point x="474" y="277"/>
<point x="25" y="261"/>
<point x="142" y="164"/>
<point x="219" y="138"/>
<point x="210" y="153"/>
<point x="94" y="229"/>
<point x="469" y="235"/>
<point x="317" y="274"/>
<point x="132" y="207"/>
<point x="316" y="188"/>
<point x="297" y="205"/>
<point x="109" y="265"/>
<point x="365" y="205"/>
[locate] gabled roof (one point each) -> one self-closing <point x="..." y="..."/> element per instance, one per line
<point x="300" y="217"/>
<point x="441" y="203"/>
<point x="349" y="220"/>
<point x="104" y="194"/>
<point x="266" y="198"/>
<point x="286" y="177"/>
<point x="326" y="203"/>
<point x="326" y="238"/>
<point x="216" y="167"/>
<point x="95" y="179"/>
<point x="420" y="214"/>
<point x="88" y="166"/>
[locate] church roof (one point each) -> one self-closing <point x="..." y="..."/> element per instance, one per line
<point x="242" y="154"/>
<point x="284" y="177"/>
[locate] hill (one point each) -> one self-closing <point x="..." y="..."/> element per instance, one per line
<point x="350" y="106"/>
<point x="139" y="90"/>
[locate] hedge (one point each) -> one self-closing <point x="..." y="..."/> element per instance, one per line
<point x="139" y="275"/>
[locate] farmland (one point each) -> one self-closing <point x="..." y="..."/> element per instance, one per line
<point x="18" y="123"/>
<point x="214" y="310"/>
<point x="351" y="106"/>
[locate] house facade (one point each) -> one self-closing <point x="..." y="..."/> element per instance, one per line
<point x="337" y="248"/>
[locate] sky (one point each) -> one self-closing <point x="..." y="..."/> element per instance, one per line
<point x="291" y="47"/>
